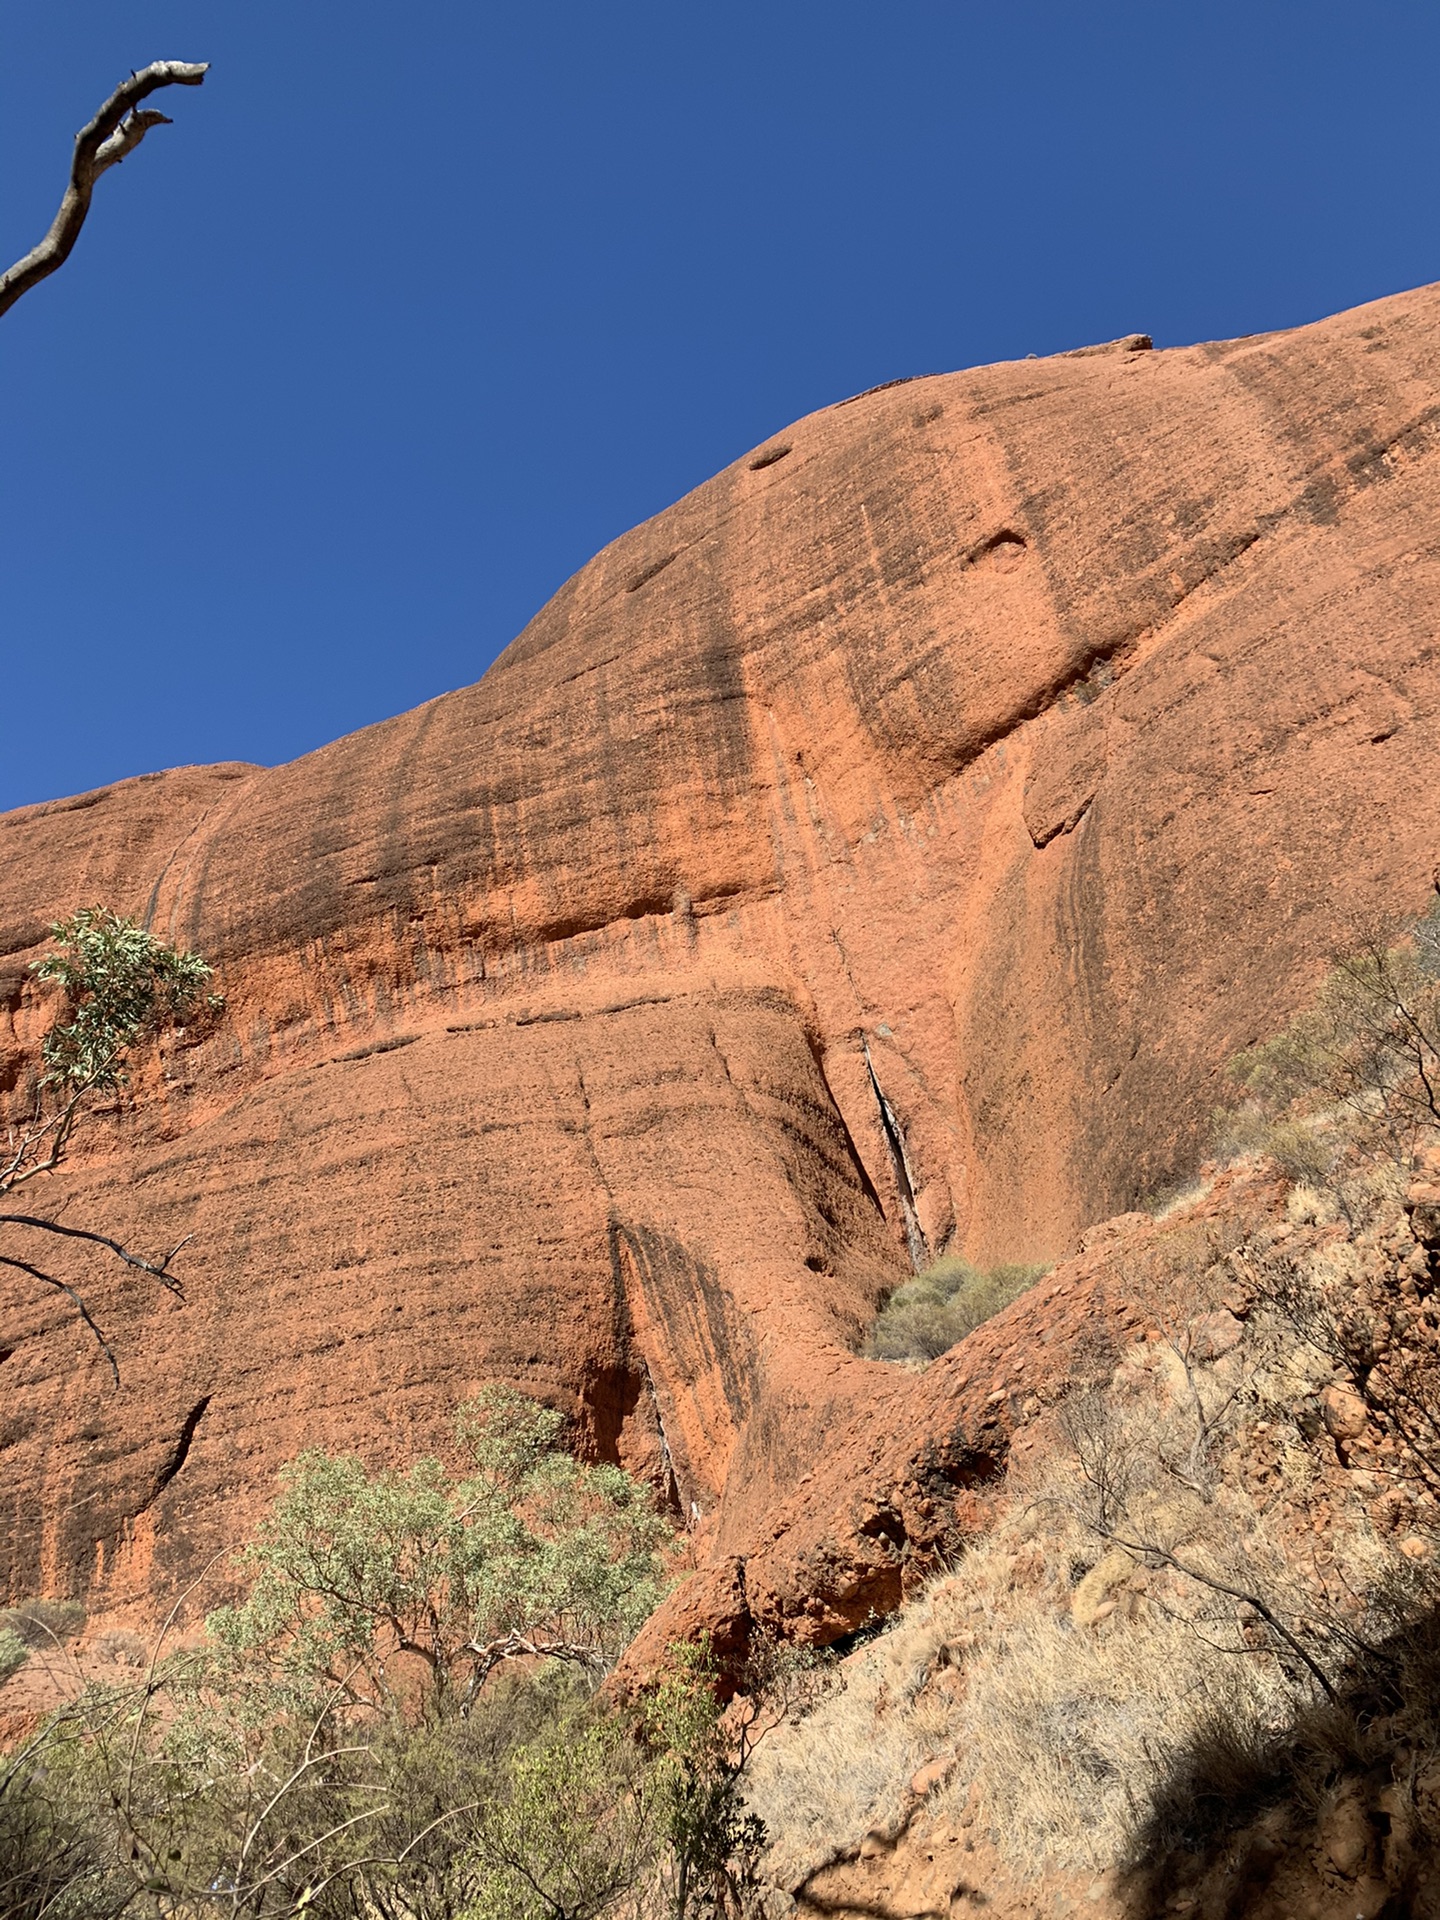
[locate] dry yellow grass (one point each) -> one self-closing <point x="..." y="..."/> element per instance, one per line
<point x="1065" y="1675"/>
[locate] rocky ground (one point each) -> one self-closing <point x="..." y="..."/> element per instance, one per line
<point x="1061" y="1723"/>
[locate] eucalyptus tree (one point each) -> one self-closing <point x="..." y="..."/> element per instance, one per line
<point x="120" y="985"/>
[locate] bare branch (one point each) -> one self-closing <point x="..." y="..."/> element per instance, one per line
<point x="1151" y="1552"/>
<point x="22" y="1165"/>
<point x="152" y="1685"/>
<point x="117" y="129"/>
<point x="37" y="1273"/>
<point x="157" y="1269"/>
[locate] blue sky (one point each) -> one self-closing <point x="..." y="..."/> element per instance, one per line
<point x="417" y="306"/>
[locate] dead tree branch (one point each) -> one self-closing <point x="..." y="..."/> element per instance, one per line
<point x="117" y="130"/>
<point x="38" y="1273"/>
<point x="157" y="1269"/>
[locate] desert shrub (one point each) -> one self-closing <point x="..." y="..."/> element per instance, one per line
<point x="56" y="1858"/>
<point x="1357" y="1072"/>
<point x="570" y="1829"/>
<point x="43" y="1623"/>
<point x="416" y="1659"/>
<point x="404" y="1719"/>
<point x="120" y="1644"/>
<point x="1304" y="1148"/>
<point x="704" y="1757"/>
<point x="13" y="1653"/>
<point x="927" y="1315"/>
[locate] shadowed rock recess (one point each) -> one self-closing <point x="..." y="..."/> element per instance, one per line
<point x="879" y="852"/>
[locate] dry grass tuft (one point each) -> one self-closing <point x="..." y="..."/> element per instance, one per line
<point x="844" y="1771"/>
<point x="1069" y="1676"/>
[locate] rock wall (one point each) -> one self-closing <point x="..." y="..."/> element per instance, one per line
<point x="878" y="852"/>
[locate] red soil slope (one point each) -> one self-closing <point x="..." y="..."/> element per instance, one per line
<point x="1006" y="747"/>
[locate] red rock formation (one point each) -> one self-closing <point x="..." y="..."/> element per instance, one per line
<point x="881" y="850"/>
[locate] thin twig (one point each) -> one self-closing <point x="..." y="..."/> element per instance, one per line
<point x="37" y="1273"/>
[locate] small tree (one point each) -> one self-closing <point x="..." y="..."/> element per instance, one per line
<point x="713" y="1841"/>
<point x="402" y="1719"/>
<point x="121" y="986"/>
<point x="411" y="1588"/>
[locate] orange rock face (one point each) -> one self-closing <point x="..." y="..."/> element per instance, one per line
<point x="881" y="851"/>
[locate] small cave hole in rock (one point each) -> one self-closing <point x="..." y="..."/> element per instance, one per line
<point x="1003" y="551"/>
<point x="768" y="458"/>
<point x="1093" y="683"/>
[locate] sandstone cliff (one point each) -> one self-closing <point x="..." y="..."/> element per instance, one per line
<point x="881" y="850"/>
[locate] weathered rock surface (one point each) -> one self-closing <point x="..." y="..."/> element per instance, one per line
<point x="883" y="849"/>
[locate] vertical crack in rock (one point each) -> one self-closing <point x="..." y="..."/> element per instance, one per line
<point x="904" y="1180"/>
<point x="862" y="1172"/>
<point x="679" y="1336"/>
<point x="670" y="1487"/>
<point x="177" y="1456"/>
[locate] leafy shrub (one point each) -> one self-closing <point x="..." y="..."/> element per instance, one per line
<point x="404" y="1719"/>
<point x="925" y="1317"/>
<point x="569" y="1828"/>
<point x="56" y="1862"/>
<point x="121" y="983"/>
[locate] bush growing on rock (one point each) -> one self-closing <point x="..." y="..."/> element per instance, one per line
<point x="120" y="985"/>
<point x="927" y="1315"/>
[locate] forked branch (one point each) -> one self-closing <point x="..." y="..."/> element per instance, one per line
<point x="117" y="129"/>
<point x="157" y="1269"/>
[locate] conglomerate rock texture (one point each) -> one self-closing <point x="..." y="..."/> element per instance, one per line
<point x="881" y="851"/>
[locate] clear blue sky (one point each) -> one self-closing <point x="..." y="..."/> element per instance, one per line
<point x="417" y="306"/>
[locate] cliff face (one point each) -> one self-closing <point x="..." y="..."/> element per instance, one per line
<point x="883" y="849"/>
